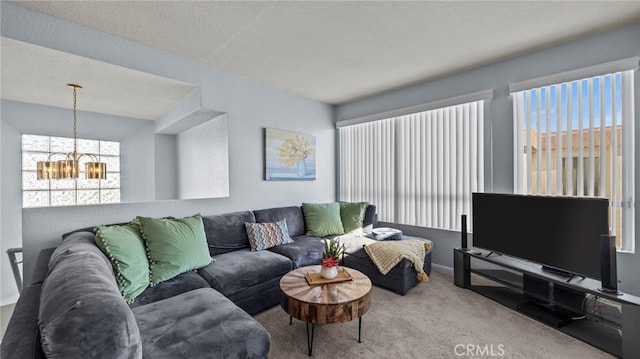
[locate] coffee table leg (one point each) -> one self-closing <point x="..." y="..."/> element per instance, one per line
<point x="310" y="338"/>
<point x="359" y="329"/>
<point x="290" y="320"/>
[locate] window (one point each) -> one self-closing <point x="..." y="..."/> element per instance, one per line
<point x="419" y="168"/>
<point x="45" y="193"/>
<point x="575" y="138"/>
<point x="584" y="174"/>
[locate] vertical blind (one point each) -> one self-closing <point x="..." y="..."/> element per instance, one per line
<point x="418" y="169"/>
<point x="367" y="165"/>
<point x="576" y="139"/>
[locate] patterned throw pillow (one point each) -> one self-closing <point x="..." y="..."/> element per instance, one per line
<point x="267" y="235"/>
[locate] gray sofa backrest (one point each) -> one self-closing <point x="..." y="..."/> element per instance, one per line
<point x="293" y="214"/>
<point x="295" y="218"/>
<point x="226" y="232"/>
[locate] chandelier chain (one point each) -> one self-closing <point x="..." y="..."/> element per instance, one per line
<point x="68" y="168"/>
<point x="75" y="125"/>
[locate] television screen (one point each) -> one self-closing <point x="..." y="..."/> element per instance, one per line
<point x="558" y="232"/>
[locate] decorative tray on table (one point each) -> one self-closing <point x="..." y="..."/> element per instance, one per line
<point x="314" y="278"/>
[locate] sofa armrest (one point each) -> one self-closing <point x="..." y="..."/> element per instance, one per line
<point x="42" y="266"/>
<point x="82" y="313"/>
<point x="22" y="338"/>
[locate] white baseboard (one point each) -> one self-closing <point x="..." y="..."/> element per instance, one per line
<point x="442" y="269"/>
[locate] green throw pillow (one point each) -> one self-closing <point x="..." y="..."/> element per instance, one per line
<point x="174" y="246"/>
<point x="322" y="219"/>
<point x="352" y="215"/>
<point x="125" y="248"/>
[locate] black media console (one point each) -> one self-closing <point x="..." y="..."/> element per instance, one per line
<point x="572" y="305"/>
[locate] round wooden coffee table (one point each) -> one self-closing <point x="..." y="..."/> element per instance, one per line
<point x="325" y="303"/>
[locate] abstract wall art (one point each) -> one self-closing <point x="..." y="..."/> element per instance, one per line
<point x="289" y="156"/>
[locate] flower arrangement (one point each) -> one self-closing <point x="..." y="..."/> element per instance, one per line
<point x="332" y="252"/>
<point x="294" y="150"/>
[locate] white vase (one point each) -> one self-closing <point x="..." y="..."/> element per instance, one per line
<point x="301" y="168"/>
<point x="329" y="272"/>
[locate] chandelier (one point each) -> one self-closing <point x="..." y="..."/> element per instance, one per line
<point x="67" y="168"/>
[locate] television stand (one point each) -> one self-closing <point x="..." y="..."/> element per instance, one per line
<point x="607" y="321"/>
<point x="610" y="291"/>
<point x="558" y="271"/>
<point x="545" y="314"/>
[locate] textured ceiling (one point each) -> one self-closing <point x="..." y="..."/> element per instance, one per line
<point x="335" y="51"/>
<point x="40" y="75"/>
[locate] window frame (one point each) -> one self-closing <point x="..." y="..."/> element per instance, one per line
<point x="618" y="74"/>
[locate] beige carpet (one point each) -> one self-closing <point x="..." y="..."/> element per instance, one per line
<point x="429" y="322"/>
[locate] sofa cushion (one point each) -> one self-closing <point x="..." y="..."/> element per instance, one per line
<point x="258" y="298"/>
<point x="322" y="219"/>
<point x="200" y="324"/>
<point x="303" y="251"/>
<point x="174" y="246"/>
<point x="352" y="243"/>
<point x="124" y="246"/>
<point x="81" y="310"/>
<point x="179" y="284"/>
<point x="293" y="214"/>
<point x="267" y="235"/>
<point x="370" y="219"/>
<point x="352" y="216"/>
<point x="232" y="272"/>
<point x="226" y="232"/>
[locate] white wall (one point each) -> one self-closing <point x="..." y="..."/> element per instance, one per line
<point x="135" y="136"/>
<point x="166" y="167"/>
<point x="203" y="161"/>
<point x="24" y="118"/>
<point x="251" y="106"/>
<point x="4" y="267"/>
<point x="610" y="46"/>
<point x="10" y="228"/>
<point x="138" y="148"/>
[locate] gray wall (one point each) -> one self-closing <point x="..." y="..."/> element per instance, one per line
<point x="251" y="106"/>
<point x="610" y="46"/>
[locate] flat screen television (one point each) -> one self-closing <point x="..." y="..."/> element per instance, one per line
<point x="561" y="233"/>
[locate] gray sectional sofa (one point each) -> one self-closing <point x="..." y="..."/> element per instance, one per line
<point x="73" y="307"/>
